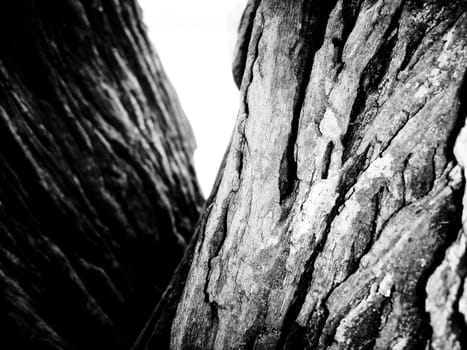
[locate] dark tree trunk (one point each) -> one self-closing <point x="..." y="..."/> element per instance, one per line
<point x="98" y="195"/>
<point x="340" y="192"/>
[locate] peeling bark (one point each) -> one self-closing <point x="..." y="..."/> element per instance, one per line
<point x="340" y="193"/>
<point x="98" y="196"/>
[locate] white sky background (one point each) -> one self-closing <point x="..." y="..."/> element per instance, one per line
<point x="195" y="41"/>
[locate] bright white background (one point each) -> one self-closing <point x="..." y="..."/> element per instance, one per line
<point x="195" y="41"/>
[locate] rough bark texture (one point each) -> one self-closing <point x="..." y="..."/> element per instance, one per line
<point x="98" y="195"/>
<point x="446" y="299"/>
<point x="243" y="40"/>
<point x="157" y="331"/>
<point x="340" y="192"/>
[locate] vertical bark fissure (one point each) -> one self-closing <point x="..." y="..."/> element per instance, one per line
<point x="371" y="78"/>
<point x="255" y="42"/>
<point x="350" y="11"/>
<point x="245" y="30"/>
<point x="343" y="189"/>
<point x="327" y="160"/>
<point x="216" y="244"/>
<point x="315" y="17"/>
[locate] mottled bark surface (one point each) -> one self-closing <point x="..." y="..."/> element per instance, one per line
<point x="340" y="192"/>
<point x="98" y="195"/>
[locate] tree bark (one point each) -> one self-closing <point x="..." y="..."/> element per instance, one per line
<point x="340" y="193"/>
<point x="98" y="196"/>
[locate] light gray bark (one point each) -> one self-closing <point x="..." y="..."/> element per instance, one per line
<point x="98" y="196"/>
<point x="340" y="192"/>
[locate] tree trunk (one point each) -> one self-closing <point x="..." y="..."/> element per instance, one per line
<point x="340" y="193"/>
<point x="98" y="195"/>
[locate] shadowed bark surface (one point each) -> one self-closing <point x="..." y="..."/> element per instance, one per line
<point x="98" y="196"/>
<point x="340" y="193"/>
<point x="157" y="331"/>
<point x="243" y="40"/>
